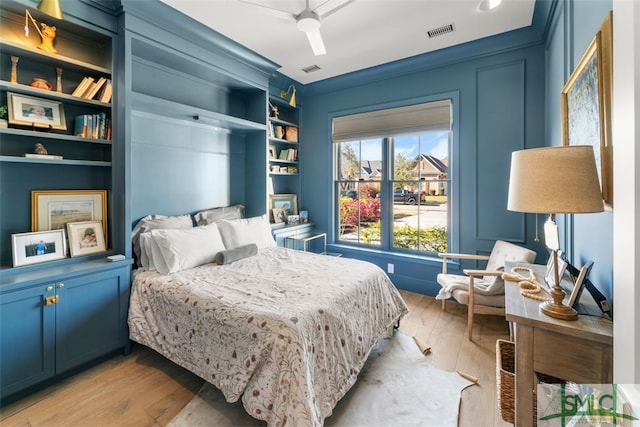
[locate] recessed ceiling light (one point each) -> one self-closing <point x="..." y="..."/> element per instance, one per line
<point x="489" y="4"/>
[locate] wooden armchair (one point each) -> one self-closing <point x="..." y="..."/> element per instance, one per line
<point x="481" y="290"/>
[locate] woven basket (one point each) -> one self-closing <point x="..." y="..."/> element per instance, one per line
<point x="506" y="379"/>
<point x="506" y="382"/>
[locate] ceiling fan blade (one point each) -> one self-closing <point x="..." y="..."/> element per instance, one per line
<point x="278" y="13"/>
<point x="316" y="42"/>
<point x="330" y="7"/>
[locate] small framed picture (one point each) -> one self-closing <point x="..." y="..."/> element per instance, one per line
<point x="35" y="247"/>
<point x="85" y="238"/>
<point x="53" y="209"/>
<point x="273" y="152"/>
<point x="578" y="285"/>
<point x="293" y="219"/>
<point x="304" y="217"/>
<point x="279" y="215"/>
<point x="31" y="111"/>
<point x="286" y="202"/>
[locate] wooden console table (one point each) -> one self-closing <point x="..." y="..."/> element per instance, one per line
<point x="580" y="351"/>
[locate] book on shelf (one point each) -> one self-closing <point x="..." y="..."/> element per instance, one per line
<point x="81" y="125"/>
<point x="107" y="91"/>
<point x="42" y="156"/>
<point x="82" y="86"/>
<point x="284" y="154"/>
<point x="94" y="88"/>
<point x="292" y="154"/>
<point x="95" y="126"/>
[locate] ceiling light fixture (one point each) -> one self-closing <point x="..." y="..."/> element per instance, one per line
<point x="489" y="4"/>
<point x="309" y="22"/>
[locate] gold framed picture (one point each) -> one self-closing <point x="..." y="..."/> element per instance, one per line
<point x="38" y="112"/>
<point x="586" y="105"/>
<point x="53" y="209"/>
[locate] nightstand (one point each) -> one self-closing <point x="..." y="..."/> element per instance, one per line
<point x="305" y="242"/>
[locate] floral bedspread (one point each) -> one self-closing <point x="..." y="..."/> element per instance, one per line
<point x="287" y="331"/>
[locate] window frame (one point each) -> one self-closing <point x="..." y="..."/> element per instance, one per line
<point x="386" y="183"/>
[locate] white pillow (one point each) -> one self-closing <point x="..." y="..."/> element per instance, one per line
<point x="146" y="260"/>
<point x="183" y="249"/>
<point x="240" y="232"/>
<point x="153" y="222"/>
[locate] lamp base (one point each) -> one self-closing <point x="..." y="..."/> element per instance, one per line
<point x="558" y="311"/>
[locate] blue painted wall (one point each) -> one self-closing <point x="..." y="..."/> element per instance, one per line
<point x="507" y="91"/>
<point x="496" y="85"/>
<point x="572" y="27"/>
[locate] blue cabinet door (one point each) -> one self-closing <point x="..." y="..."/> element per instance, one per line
<point x="91" y="317"/>
<point x="27" y="337"/>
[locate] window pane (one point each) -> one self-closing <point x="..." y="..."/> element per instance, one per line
<point x="360" y="160"/>
<point x="357" y="189"/>
<point x="420" y="196"/>
<point x="359" y="213"/>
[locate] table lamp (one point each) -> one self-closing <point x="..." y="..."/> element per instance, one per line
<point x="555" y="180"/>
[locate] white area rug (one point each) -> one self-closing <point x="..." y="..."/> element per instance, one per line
<point x="397" y="387"/>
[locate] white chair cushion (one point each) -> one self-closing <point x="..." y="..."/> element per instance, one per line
<point x="487" y="286"/>
<point x="487" y="300"/>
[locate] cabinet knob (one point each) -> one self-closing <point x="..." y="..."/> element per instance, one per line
<point x="60" y="285"/>
<point x="49" y="288"/>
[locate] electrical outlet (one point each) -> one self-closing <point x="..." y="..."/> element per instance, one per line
<point x="390" y="268"/>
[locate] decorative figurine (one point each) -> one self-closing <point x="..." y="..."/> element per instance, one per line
<point x="39" y="149"/>
<point x="48" y="35"/>
<point x="274" y="111"/>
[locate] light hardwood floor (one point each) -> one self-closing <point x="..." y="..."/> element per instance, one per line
<point x="145" y="389"/>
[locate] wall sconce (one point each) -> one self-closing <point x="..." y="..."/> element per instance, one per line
<point x="47" y="33"/>
<point x="285" y="93"/>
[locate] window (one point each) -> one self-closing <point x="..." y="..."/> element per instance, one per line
<point x="391" y="178"/>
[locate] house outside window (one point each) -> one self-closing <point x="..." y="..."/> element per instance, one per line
<point x="391" y="184"/>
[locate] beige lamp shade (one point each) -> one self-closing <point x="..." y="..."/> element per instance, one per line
<point x="555" y="180"/>
<point x="51" y="8"/>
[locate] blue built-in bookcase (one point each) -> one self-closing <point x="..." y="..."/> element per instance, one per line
<point x="189" y="132"/>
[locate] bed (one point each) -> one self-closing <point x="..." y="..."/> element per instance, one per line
<point x="285" y="331"/>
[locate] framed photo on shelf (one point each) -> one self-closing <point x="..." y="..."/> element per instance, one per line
<point x="287" y="202"/>
<point x="586" y="105"/>
<point x="279" y="215"/>
<point x="272" y="152"/>
<point x="293" y="219"/>
<point x="31" y="111"/>
<point x="36" y="247"/>
<point x="53" y="209"/>
<point x="85" y="238"/>
<point x="579" y="282"/>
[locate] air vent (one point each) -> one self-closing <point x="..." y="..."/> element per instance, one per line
<point x="441" y="30"/>
<point x="311" y="69"/>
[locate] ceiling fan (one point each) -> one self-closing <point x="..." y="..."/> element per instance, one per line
<point x="308" y="21"/>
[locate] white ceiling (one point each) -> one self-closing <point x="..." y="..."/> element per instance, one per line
<point x="362" y="34"/>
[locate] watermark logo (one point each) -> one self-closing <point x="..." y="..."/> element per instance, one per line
<point x="582" y="405"/>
